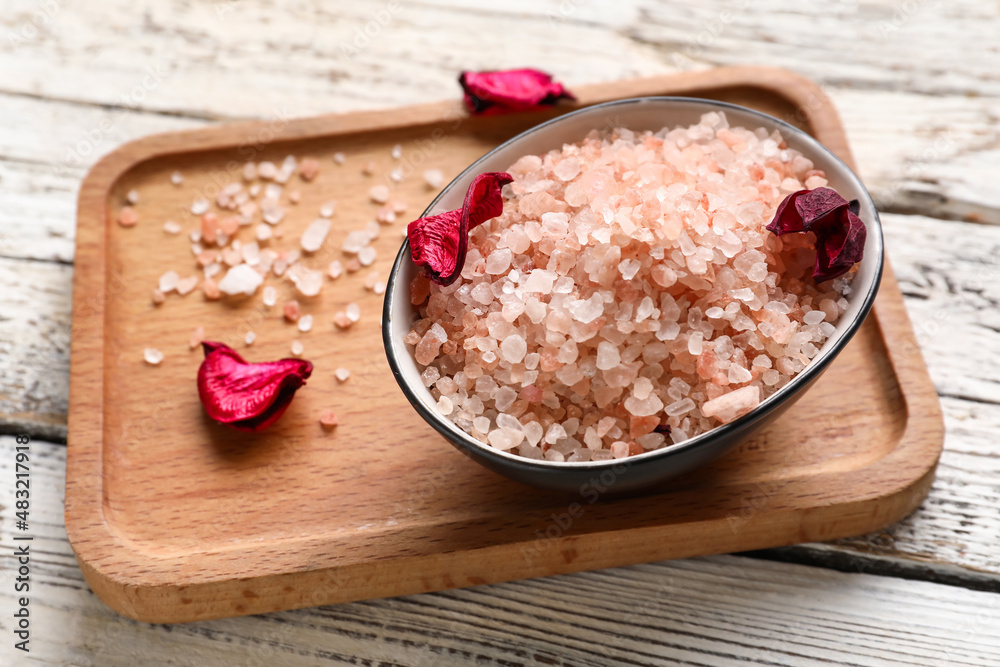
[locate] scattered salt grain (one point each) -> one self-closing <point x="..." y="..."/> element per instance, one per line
<point x="171" y="227"/>
<point x="397" y="152"/>
<point x="187" y="285"/>
<point x="335" y="269"/>
<point x="379" y="194"/>
<point x="176" y="178"/>
<point x="328" y="420"/>
<point x="168" y="282"/>
<point x="308" y="169"/>
<point x="240" y="279"/>
<point x="434" y="178"/>
<point x="339" y="157"/>
<point x="367" y="255"/>
<point x="250" y="338"/>
<point x="327" y="209"/>
<point x="132" y="197"/>
<point x="200" y="206"/>
<point x="297" y="348"/>
<point x="305" y="323"/>
<point x="315" y="234"/>
<point x="152" y="356"/>
<point x="197" y="336"/>
<point x="127" y="217"/>
<point x="353" y="312"/>
<point x="342" y="374"/>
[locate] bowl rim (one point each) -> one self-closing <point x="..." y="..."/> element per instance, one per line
<point x="806" y="376"/>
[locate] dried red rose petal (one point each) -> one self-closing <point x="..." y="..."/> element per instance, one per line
<point x="439" y="242"/>
<point x="840" y="233"/>
<point x="247" y="396"/>
<point x="505" y="91"/>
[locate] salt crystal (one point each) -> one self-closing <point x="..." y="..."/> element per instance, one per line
<point x="263" y="233"/>
<point x="200" y="206"/>
<point x="339" y="157"/>
<point x="505" y="438"/>
<point x="197" y="336"/>
<point x="168" y="282"/>
<point x="396" y="175"/>
<point x="241" y="279"/>
<point x="504" y="397"/>
<point x="305" y="323"/>
<point x="152" y="356"/>
<point x="327" y="209"/>
<point x="814" y="317"/>
<point x="308" y="282"/>
<point x="445" y="406"/>
<point x="397" y="152"/>
<point x="342" y="374"/>
<point x="481" y="424"/>
<point x="434" y="178"/>
<point x="315" y="234"/>
<point x="176" y="178"/>
<point x="335" y="269"/>
<point x="328" y="420"/>
<point x="607" y="356"/>
<point x="187" y="285"/>
<point x="367" y="255"/>
<point x="353" y="312"/>
<point x="158" y="297"/>
<point x="695" y="343"/>
<point x="379" y="194"/>
<point x="554" y="433"/>
<point x="513" y="348"/>
<point x="540" y="280"/>
<point x="629" y="268"/>
<point x="643" y="407"/>
<point x="250" y="338"/>
<point x="678" y="408"/>
<point x="729" y="406"/>
<point x="171" y="227"/>
<point x="297" y="348"/>
<point x="498" y="261"/>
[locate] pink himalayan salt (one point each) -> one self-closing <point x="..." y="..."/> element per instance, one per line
<point x="635" y="270"/>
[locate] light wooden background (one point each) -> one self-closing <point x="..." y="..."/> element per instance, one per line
<point x="917" y="84"/>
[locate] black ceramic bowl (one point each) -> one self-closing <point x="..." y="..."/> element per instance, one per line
<point x="644" y="470"/>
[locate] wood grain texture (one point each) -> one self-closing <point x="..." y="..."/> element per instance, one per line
<point x="143" y="458"/>
<point x="717" y="611"/>
<point x="900" y="82"/>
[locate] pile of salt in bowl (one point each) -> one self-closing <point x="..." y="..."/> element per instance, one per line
<point x="629" y="296"/>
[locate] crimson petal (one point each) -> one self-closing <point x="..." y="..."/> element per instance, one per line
<point x="247" y="396"/>
<point x="839" y="247"/>
<point x="840" y="233"/>
<point x="439" y="242"/>
<point x="488" y="93"/>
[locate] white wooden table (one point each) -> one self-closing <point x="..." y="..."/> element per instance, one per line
<point x="917" y="84"/>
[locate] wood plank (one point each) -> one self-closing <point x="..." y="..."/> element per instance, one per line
<point x="34" y="347"/>
<point x="723" y="610"/>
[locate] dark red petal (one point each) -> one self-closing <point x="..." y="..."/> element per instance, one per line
<point x="839" y="247"/>
<point x="819" y="208"/>
<point x="439" y="242"/>
<point x="840" y="233"/>
<point x="787" y="219"/>
<point x="247" y="396"/>
<point x="505" y="91"/>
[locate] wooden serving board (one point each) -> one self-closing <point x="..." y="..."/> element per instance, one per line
<point x="174" y="518"/>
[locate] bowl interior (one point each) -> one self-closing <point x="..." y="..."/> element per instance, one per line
<point x="651" y="113"/>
